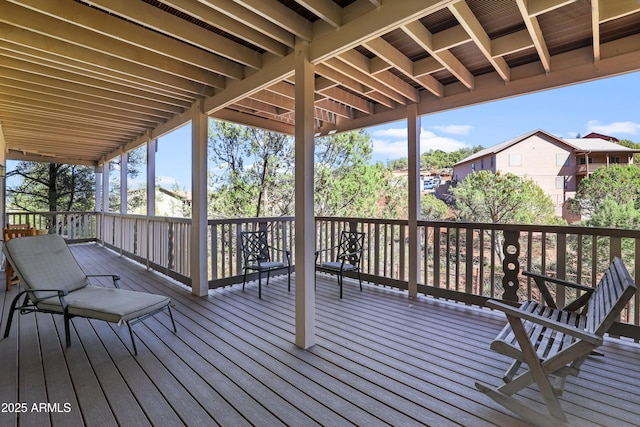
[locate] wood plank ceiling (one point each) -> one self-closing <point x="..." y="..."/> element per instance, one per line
<point x="82" y="81"/>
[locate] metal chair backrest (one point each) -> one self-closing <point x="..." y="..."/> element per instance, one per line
<point x="351" y="247"/>
<point x="255" y="246"/>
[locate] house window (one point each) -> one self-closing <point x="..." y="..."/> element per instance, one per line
<point x="481" y="163"/>
<point x="561" y="183"/>
<point x="615" y="160"/>
<point x="562" y="160"/>
<point x="492" y="160"/>
<point x="582" y="162"/>
<point x="473" y="167"/>
<point x="515" y="160"/>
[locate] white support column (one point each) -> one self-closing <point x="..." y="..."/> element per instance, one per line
<point x="413" y="127"/>
<point x="152" y="148"/>
<point x="199" y="278"/>
<point x="124" y="165"/>
<point x="105" y="186"/>
<point x="98" y="174"/>
<point x="304" y="212"/>
<point x="3" y="179"/>
<point x="106" y="167"/>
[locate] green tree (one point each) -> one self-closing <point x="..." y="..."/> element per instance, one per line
<point x="252" y="174"/>
<point x="630" y="144"/>
<point x="435" y="160"/>
<point x="616" y="182"/>
<point x="39" y="187"/>
<point x="136" y="160"/>
<point x="502" y="198"/>
<point x="432" y="208"/>
<point x="345" y="183"/>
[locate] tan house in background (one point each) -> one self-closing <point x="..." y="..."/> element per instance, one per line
<point x="556" y="164"/>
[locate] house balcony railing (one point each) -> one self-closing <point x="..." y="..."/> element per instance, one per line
<point x="586" y="169"/>
<point x="460" y="261"/>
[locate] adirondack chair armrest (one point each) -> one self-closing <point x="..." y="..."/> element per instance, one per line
<point x="557" y="281"/>
<point x="541" y="282"/>
<point x="114" y="277"/>
<point x="546" y="322"/>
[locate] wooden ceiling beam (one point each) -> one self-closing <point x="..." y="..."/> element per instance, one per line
<point x="61" y="88"/>
<point x="533" y="26"/>
<point x="27" y="72"/>
<point x="326" y="10"/>
<point x="65" y="123"/>
<point x="470" y="23"/>
<point x="387" y="79"/>
<point x="538" y="7"/>
<point x="282" y="16"/>
<point x="229" y="25"/>
<point x="369" y="83"/>
<point x="84" y="58"/>
<point x="424" y="38"/>
<point x="122" y="30"/>
<point x="45" y="61"/>
<point x="610" y="10"/>
<point x="374" y="23"/>
<point x="44" y="108"/>
<point x="42" y="95"/>
<point x="83" y="26"/>
<point x="167" y="24"/>
<point x="250" y="19"/>
<point x="595" y="28"/>
<point x="354" y="101"/>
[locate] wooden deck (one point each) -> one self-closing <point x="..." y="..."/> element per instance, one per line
<point x="380" y="359"/>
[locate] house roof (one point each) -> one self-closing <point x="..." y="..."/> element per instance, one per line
<point x="494" y="149"/>
<point x="577" y="144"/>
<point x="82" y="81"/>
<point x="601" y="136"/>
<point x="597" y="145"/>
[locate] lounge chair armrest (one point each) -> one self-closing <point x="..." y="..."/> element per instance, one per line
<point x="114" y="277"/>
<point x="60" y="292"/>
<point x="546" y="322"/>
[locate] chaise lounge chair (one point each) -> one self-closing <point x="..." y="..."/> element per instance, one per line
<point x="53" y="282"/>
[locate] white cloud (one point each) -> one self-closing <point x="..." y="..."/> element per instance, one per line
<point x="167" y="182"/>
<point x="391" y="132"/>
<point x="392" y="142"/>
<point x="430" y="141"/>
<point x="454" y="129"/>
<point x="613" y="128"/>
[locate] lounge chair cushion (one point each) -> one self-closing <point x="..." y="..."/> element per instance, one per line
<point x="46" y="265"/>
<point x="110" y="304"/>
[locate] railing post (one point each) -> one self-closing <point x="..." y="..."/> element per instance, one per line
<point x="511" y="265"/>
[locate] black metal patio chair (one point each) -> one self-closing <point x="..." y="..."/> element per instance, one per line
<point x="257" y="256"/>
<point x="348" y="257"/>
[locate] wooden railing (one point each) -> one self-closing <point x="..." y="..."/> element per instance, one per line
<point x="472" y="262"/>
<point x="465" y="262"/>
<point x="75" y="226"/>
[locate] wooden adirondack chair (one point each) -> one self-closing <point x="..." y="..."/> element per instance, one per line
<point x="554" y="343"/>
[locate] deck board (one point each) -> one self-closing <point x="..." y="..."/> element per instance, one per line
<point x="380" y="359"/>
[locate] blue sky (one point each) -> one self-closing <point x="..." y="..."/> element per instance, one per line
<point x="608" y="106"/>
